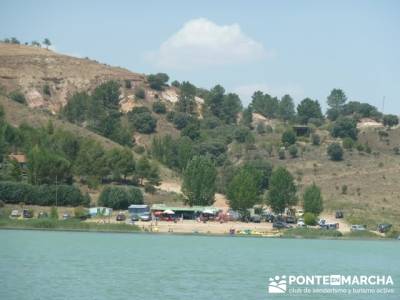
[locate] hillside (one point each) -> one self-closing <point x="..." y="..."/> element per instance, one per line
<point x="371" y="177"/>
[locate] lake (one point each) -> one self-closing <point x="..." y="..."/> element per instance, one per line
<point x="78" y="265"/>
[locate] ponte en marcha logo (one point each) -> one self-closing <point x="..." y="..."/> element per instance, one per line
<point x="334" y="283"/>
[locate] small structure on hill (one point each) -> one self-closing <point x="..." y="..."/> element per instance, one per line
<point x="302" y="130"/>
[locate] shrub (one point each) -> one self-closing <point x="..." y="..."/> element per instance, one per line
<point x="345" y="127"/>
<point x="348" y="143"/>
<point x="140" y="93"/>
<point x="293" y="151"/>
<point x="288" y="137"/>
<point x="310" y="219"/>
<point x="17" y="96"/>
<point x="344" y="189"/>
<point x="149" y="188"/>
<point x="65" y="195"/>
<point x="335" y="152"/>
<point x="139" y="149"/>
<point x="157" y="81"/>
<point x="118" y="197"/>
<point x="360" y="147"/>
<point x="54" y="213"/>
<point x="315" y="139"/>
<point x="261" y="128"/>
<point x="390" y="120"/>
<point x="46" y="90"/>
<point x="80" y="212"/>
<point x="159" y="107"/>
<point x="142" y="120"/>
<point x="281" y="153"/>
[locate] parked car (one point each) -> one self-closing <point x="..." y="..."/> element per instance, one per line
<point x="382" y="228"/>
<point x="357" y="227"/>
<point x="339" y="214"/>
<point x="268" y="217"/>
<point x="121" y="216"/>
<point x="27" y="213"/>
<point x="134" y="217"/>
<point x="145" y="217"/>
<point x="280" y="225"/>
<point x="43" y="215"/>
<point x="66" y="216"/>
<point x="333" y="226"/>
<point x="290" y="219"/>
<point x="233" y="215"/>
<point x="255" y="219"/>
<point x="321" y="222"/>
<point x="300" y="223"/>
<point x="15" y="214"/>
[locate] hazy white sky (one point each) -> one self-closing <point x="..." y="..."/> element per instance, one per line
<point x="304" y="48"/>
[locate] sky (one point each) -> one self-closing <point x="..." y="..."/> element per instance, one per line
<point x="302" y="48"/>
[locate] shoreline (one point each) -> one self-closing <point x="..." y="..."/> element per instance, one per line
<point x="282" y="236"/>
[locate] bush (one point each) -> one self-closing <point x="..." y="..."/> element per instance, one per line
<point x="289" y="137"/>
<point x="80" y="212"/>
<point x="157" y="81"/>
<point x="118" y="197"/>
<point x="17" y="96"/>
<point x="348" y="143"/>
<point x="159" y="107"/>
<point x="293" y="151"/>
<point x="344" y="189"/>
<point x="345" y="127"/>
<point x="281" y="153"/>
<point x="46" y="90"/>
<point x="16" y="192"/>
<point x="140" y="93"/>
<point x="149" y="188"/>
<point x="142" y="120"/>
<point x="310" y="219"/>
<point x="315" y="139"/>
<point x="335" y="152"/>
<point x="54" y="213"/>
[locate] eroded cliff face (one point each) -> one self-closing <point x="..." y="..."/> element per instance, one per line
<point x="47" y="79"/>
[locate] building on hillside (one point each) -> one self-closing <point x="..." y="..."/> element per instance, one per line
<point x="302" y="130"/>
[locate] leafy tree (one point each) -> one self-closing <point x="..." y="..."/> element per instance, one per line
<point x="118" y="197"/>
<point x="336" y="99"/>
<point x="335" y="152"/>
<point x="192" y="131"/>
<point x="288" y="137"/>
<point x="176" y="83"/>
<point x="157" y="81"/>
<point x="231" y="107"/>
<point x="243" y="191"/>
<point x="265" y="105"/>
<point x="45" y="167"/>
<point x="264" y="167"/>
<point x="308" y="109"/>
<point x="243" y="135"/>
<point x="186" y="101"/>
<point x="247" y="117"/>
<point x="76" y="109"/>
<point x="282" y="190"/>
<point x="390" y="120"/>
<point x="214" y="101"/>
<point x="17" y="96"/>
<point x="312" y="200"/>
<point x="310" y="219"/>
<point x="345" y="127"/>
<point x="140" y="93"/>
<point x="181" y="120"/>
<point x="142" y="120"/>
<point x="120" y="162"/>
<point x="286" y="109"/>
<point x="47" y="43"/>
<point x="107" y="94"/>
<point x="199" y="181"/>
<point x="91" y="162"/>
<point x="159" y="107"/>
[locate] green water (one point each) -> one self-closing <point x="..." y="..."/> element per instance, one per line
<point x="71" y="265"/>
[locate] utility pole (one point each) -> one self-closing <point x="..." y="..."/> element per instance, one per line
<point x="56" y="192"/>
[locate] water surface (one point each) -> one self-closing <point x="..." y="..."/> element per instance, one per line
<point x="77" y="265"/>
